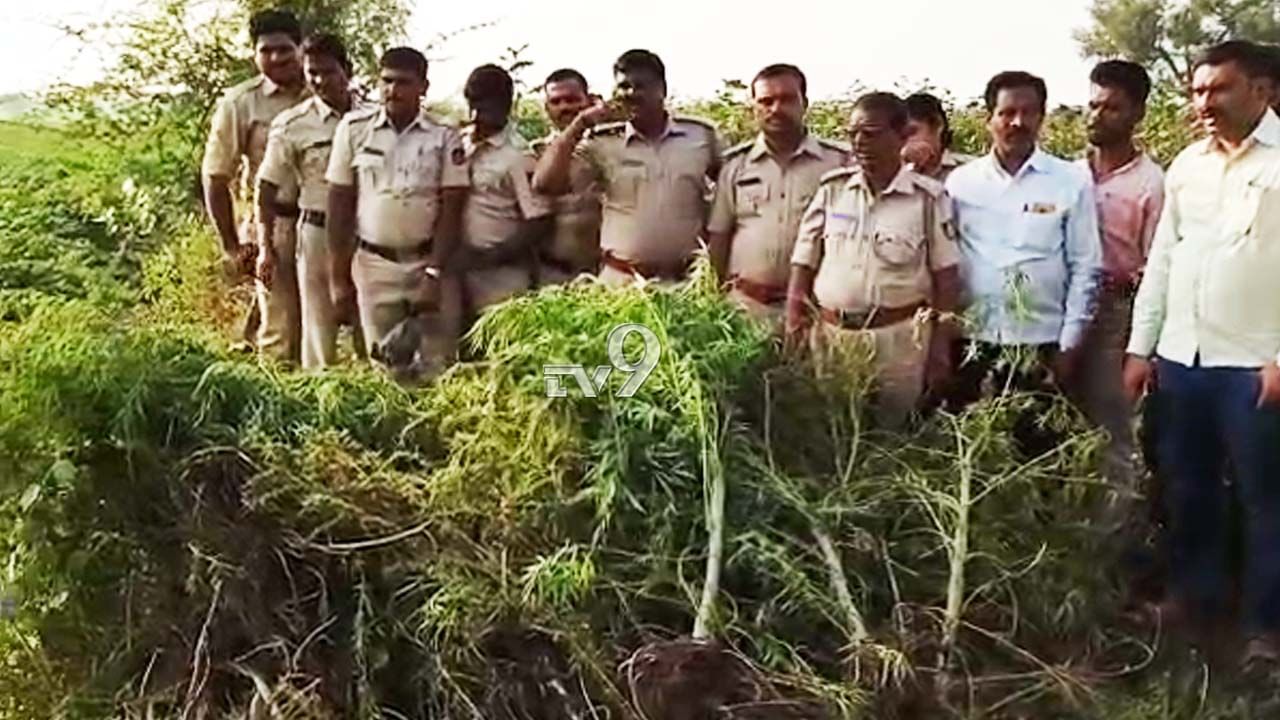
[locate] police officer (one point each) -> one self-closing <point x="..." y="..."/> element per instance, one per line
<point x="574" y="246"/>
<point x="876" y="249"/>
<point x="297" y="156"/>
<point x="235" y="147"/>
<point x="504" y="220"/>
<point x="763" y="190"/>
<point x="654" y="169"/>
<point x="397" y="183"/>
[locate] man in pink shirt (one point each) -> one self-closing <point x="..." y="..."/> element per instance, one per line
<point x="1129" y="187"/>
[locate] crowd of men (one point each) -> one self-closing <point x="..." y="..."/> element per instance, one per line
<point x="1107" y="272"/>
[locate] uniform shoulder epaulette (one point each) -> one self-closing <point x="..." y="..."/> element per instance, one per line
<point x="293" y="113"/>
<point x="361" y="114"/>
<point x="606" y="129"/>
<point x="838" y="146"/>
<point x="838" y="173"/>
<point x="694" y="120"/>
<point x="926" y="183"/>
<point x="739" y="149"/>
<point x="248" y="86"/>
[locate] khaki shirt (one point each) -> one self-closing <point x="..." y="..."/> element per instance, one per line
<point x="398" y="176"/>
<point x="875" y="251"/>
<point x="241" y="123"/>
<point x="501" y="196"/>
<point x="761" y="202"/>
<point x="298" y="151"/>
<point x="654" y="191"/>
<point x="576" y="238"/>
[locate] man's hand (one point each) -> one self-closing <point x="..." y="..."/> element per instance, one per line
<point x="1139" y="377"/>
<point x="599" y="111"/>
<point x="1269" y="396"/>
<point x="266" y="265"/>
<point x="1064" y="365"/>
<point x="921" y="154"/>
<point x="938" y="368"/>
<point x="239" y="261"/>
<point x="343" y="293"/>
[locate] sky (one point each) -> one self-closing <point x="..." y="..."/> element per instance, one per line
<point x="952" y="45"/>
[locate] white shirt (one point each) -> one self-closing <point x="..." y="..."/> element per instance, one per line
<point x="1212" y="285"/>
<point x="1032" y="255"/>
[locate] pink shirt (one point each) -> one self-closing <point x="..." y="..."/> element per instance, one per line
<point x="1129" y="202"/>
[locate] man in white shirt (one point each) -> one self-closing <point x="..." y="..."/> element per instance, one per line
<point x="1206" y="322"/>
<point x="1028" y="231"/>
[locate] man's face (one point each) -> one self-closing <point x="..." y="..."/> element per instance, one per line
<point x="277" y="58"/>
<point x="487" y="111"/>
<point x="779" y="105"/>
<point x="1112" y="116"/>
<point x="641" y="93"/>
<point x="565" y="99"/>
<point x="327" y="78"/>
<point x="1226" y="100"/>
<point x="877" y="147"/>
<point x="402" y="91"/>
<point x="1015" y="120"/>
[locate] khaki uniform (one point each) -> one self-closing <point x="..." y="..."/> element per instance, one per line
<point x="501" y="199"/>
<point x="398" y="178"/>
<point x="298" y="155"/>
<point x="575" y="242"/>
<point x="761" y="201"/>
<point x="239" y="131"/>
<point x="655" y="196"/>
<point x="877" y="254"/>
<point x="949" y="162"/>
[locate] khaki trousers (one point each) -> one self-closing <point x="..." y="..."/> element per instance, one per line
<point x="773" y="315"/>
<point x="320" y="327"/>
<point x="389" y="293"/>
<point x="897" y="355"/>
<point x="489" y="286"/>
<point x="280" y="331"/>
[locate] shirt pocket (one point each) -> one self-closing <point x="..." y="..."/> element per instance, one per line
<point x="419" y="173"/>
<point x="1265" y="224"/>
<point x="688" y="187"/>
<point x="315" y="160"/>
<point x="1040" y="230"/>
<point x="751" y="194"/>
<point x="898" y="250"/>
<point x="625" y="185"/>
<point x="370" y="168"/>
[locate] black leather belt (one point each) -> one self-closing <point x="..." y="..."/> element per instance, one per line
<point x="286" y="211"/>
<point x="411" y="253"/>
<point x="314" y="217"/>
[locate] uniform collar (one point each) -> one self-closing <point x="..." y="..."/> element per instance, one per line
<point x="269" y="87"/>
<point x="504" y="137"/>
<point x="1266" y="133"/>
<point x="326" y="111"/>
<point x="901" y="183"/>
<point x="760" y="148"/>
<point x="382" y="120"/>
<point x="672" y="128"/>
<point x="950" y="160"/>
<point x="1037" y="162"/>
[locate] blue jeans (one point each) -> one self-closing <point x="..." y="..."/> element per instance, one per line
<point x="1212" y="421"/>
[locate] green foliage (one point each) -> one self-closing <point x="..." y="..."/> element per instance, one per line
<point x="1164" y="35"/>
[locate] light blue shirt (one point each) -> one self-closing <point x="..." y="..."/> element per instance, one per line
<point x="1032" y="255"/>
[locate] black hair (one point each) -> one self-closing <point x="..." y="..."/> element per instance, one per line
<point x="1252" y="58"/>
<point x="269" y="22"/>
<point x="778" y="70"/>
<point x="1274" y="52"/>
<point x="633" y="60"/>
<point x="1130" y="77"/>
<point x="490" y="81"/>
<point x="404" y="58"/>
<point x="1014" y="79"/>
<point x="566" y="75"/>
<point x="887" y="104"/>
<point x="925" y="107"/>
<point x="330" y="46"/>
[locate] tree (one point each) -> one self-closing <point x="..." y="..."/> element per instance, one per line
<point x="1164" y="35"/>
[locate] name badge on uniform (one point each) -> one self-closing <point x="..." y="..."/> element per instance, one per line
<point x="1039" y="208"/>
